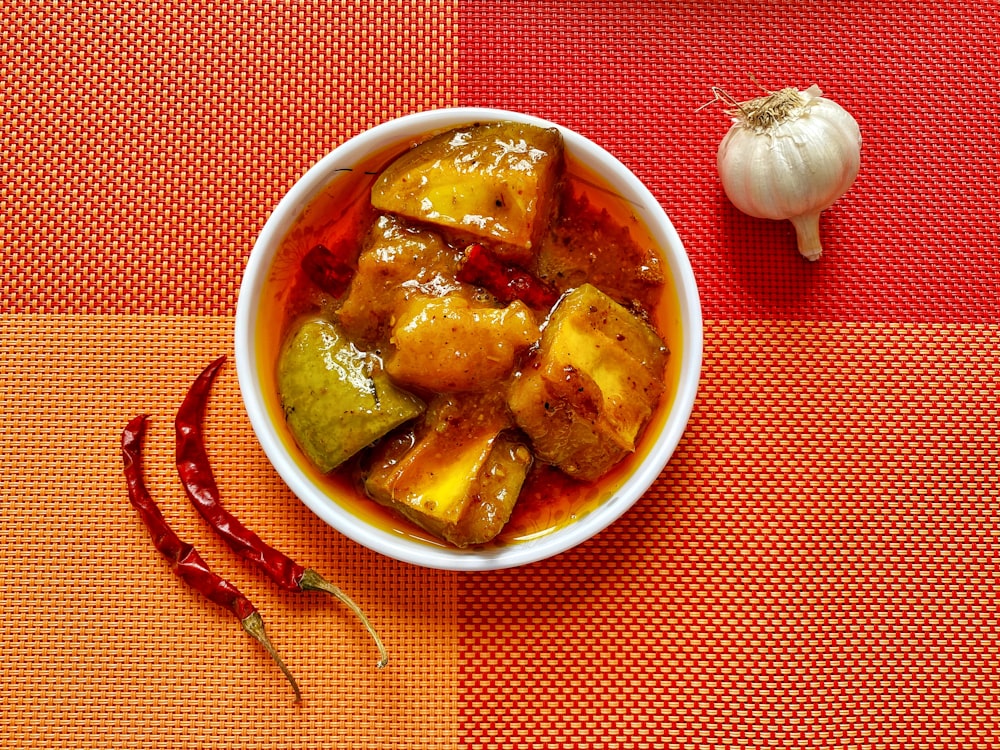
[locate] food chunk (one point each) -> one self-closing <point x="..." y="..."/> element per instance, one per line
<point x="447" y="344"/>
<point x="593" y="385"/>
<point x="494" y="182"/>
<point x="587" y="245"/>
<point x="459" y="475"/>
<point x="335" y="398"/>
<point x="395" y="263"/>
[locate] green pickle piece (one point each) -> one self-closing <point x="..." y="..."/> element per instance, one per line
<point x="336" y="398"/>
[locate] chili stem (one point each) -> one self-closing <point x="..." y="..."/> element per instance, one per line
<point x="313" y="581"/>
<point x="254" y="625"/>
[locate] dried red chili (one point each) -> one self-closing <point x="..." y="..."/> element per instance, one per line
<point x="185" y="560"/>
<point x="505" y="282"/>
<point x="327" y="270"/>
<point x="199" y="482"/>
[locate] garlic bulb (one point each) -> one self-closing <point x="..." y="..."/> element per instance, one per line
<point x="790" y="155"/>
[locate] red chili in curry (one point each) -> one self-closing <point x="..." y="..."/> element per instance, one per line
<point x="328" y="270"/>
<point x="504" y="281"/>
<point x="185" y="560"/>
<point x="199" y="483"/>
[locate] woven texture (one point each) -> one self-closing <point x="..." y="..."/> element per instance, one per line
<point x="816" y="567"/>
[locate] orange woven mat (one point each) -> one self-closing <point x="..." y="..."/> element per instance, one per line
<point x="816" y="567"/>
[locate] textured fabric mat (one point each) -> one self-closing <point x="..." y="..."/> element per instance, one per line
<point x="816" y="567"/>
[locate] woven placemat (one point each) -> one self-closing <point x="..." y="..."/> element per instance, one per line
<point x="816" y="568"/>
<point x="813" y="569"/>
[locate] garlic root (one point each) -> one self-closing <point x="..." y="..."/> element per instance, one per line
<point x="807" y="235"/>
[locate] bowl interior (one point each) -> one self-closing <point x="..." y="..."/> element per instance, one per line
<point x="282" y="453"/>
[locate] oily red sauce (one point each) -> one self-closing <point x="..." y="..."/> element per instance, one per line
<point x="337" y="219"/>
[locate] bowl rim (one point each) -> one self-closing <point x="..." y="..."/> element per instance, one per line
<point x="443" y="557"/>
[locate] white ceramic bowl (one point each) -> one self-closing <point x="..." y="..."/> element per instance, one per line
<point x="321" y="500"/>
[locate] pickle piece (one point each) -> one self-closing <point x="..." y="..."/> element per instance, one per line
<point x="458" y="475"/>
<point x="592" y="386"/>
<point x="494" y="182"/>
<point x="448" y="344"/>
<point x="335" y="398"/>
<point x="498" y="486"/>
<point x="396" y="262"/>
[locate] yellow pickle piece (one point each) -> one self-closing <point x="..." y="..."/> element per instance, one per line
<point x="395" y="263"/>
<point x="492" y="181"/>
<point x="592" y="386"/>
<point x="448" y="344"/>
<point x="459" y="474"/>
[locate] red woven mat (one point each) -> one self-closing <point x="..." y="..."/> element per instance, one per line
<point x="816" y="568"/>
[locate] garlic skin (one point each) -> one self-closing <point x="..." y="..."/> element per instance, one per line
<point x="790" y="155"/>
